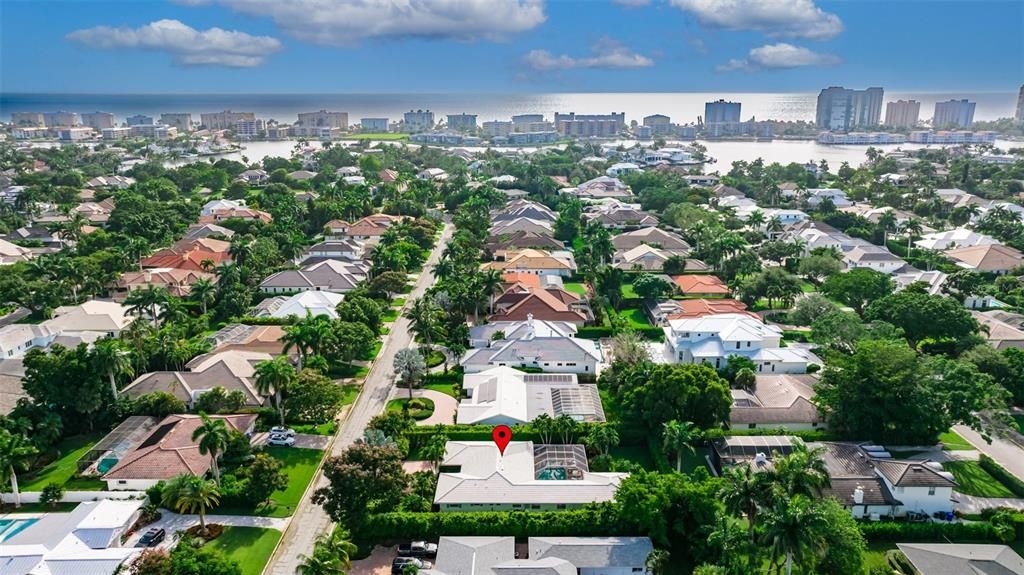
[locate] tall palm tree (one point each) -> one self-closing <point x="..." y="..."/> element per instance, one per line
<point x="490" y="282"/>
<point x="657" y="562"/>
<point x="792" y="531"/>
<point x="14" y="452"/>
<point x="273" y="377"/>
<point x="679" y="438"/>
<point x="886" y="221"/>
<point x="204" y="292"/>
<point x="191" y="494"/>
<point x="110" y="357"/>
<point x="147" y="300"/>
<point x="802" y="472"/>
<point x="423" y="319"/>
<point x="213" y="437"/>
<point x="743" y="492"/>
<point x="435" y="449"/>
<point x="755" y="219"/>
<point x="912" y="227"/>
<point x="409" y="366"/>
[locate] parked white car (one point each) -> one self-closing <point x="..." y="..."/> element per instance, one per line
<point x="286" y="431"/>
<point x="281" y="440"/>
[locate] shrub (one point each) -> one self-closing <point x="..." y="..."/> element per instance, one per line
<point x="213" y="531"/>
<point x="924" y="532"/>
<point x="594" y="332"/>
<point x="51" y="494"/>
<point x="155" y="494"/>
<point x="596" y="521"/>
<point x="1002" y="475"/>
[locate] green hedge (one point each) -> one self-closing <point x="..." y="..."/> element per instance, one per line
<point x="419" y="436"/>
<point x="594" y="332"/>
<point x="795" y="335"/>
<point x="249" y="320"/>
<point x="1002" y="475"/>
<point x="599" y="521"/>
<point x="923" y="532"/>
<point x="805" y="434"/>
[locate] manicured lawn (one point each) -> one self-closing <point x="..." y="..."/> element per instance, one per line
<point x="389" y="316"/>
<point x="351" y="391"/>
<point x="951" y="441"/>
<point x="627" y="291"/>
<point x="61" y="470"/>
<point x="322" y="429"/>
<point x="434" y="358"/>
<point x="385" y="331"/>
<point x="249" y="546"/>
<point x="373" y="351"/>
<point x="398" y="302"/>
<point x="345" y="370"/>
<point x="299" y="464"/>
<point x="575" y="287"/>
<point x="973" y="480"/>
<point x="443" y="382"/>
<point x="423" y="412"/>
<point x="636" y="317"/>
<point x="377" y="136"/>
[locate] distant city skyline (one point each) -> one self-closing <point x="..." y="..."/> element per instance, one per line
<point x="507" y="46"/>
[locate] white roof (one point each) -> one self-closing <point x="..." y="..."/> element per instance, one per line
<point x="486" y="476"/>
<point x="727" y="326"/>
<point x="315" y="302"/>
<point x="512" y="396"/>
<point x="221" y="204"/>
<point x="522" y="329"/>
<point x="959" y="237"/>
<point x="93" y="315"/>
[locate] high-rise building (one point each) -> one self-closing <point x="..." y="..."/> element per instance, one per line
<point x="721" y="111"/>
<point x="374" y="124"/>
<point x="323" y="118"/>
<point x="460" y="122"/>
<point x="98" y="121"/>
<point x="902" y="113"/>
<point x="226" y="120"/>
<point x="22" y="119"/>
<point x="52" y="119"/>
<point x="497" y="128"/>
<point x="589" y="127"/>
<point x="953" y="113"/>
<point x="1020" y="106"/>
<point x="139" y="120"/>
<point x="180" y="120"/>
<point x="418" y="120"/>
<point x="618" y="118"/>
<point x="842" y="109"/>
<point x="660" y="124"/>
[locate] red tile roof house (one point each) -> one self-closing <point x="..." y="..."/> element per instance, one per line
<point x="521" y="302"/>
<point x="701" y="285"/>
<point x="190" y="255"/>
<point x="167" y="452"/>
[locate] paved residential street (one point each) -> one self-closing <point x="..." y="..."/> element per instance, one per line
<point x="1005" y="453"/>
<point x="309" y="519"/>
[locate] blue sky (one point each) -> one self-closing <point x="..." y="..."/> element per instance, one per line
<point x="148" y="46"/>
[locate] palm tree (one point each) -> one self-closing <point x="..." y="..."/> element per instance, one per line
<point x="409" y="366"/>
<point x="435" y="449"/>
<point x="679" y="437"/>
<point x="191" y="494"/>
<point x="204" y="292"/>
<point x="755" y="219"/>
<point x="913" y="227"/>
<point x="308" y="335"/>
<point x="146" y="300"/>
<point x="490" y="282"/>
<point x="331" y="555"/>
<point x="792" y="531"/>
<point x="602" y="437"/>
<point x="273" y="377"/>
<point x="886" y="221"/>
<point x="213" y="436"/>
<point x="566" y="427"/>
<point x="802" y="472"/>
<point x="743" y="492"/>
<point x="14" y="451"/>
<point x="423" y="319"/>
<point x="111" y="358"/>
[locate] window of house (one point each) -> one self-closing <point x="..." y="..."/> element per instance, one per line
<point x="931" y="490"/>
<point x="561" y="506"/>
<point x="534" y="506"/>
<point x="737" y="345"/>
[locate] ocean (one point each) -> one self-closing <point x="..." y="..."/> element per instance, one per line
<point x="682" y="107"/>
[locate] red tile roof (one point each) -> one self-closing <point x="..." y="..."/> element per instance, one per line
<point x="693" y="308"/>
<point x="701" y="284"/>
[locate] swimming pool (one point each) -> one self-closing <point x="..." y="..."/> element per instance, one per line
<point x="11" y="527"/>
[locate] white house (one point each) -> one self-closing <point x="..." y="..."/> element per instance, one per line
<point x="712" y="339"/>
<point x="959" y="238"/>
<point x="786" y="217"/>
<point x="814" y="197"/>
<point x="312" y="302"/>
<point x="213" y="206"/>
<point x="474" y="555"/>
<point x="506" y="396"/>
<point x="16" y="339"/>
<point x="621" y="169"/>
<point x="432" y="174"/>
<point x="543" y="349"/>
<point x="254" y="177"/>
<point x="86" y="541"/>
<point x="873" y="257"/>
<point x="485" y="334"/>
<point x="527" y="477"/>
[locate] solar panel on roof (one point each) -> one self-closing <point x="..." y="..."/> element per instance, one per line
<point x="159" y="434"/>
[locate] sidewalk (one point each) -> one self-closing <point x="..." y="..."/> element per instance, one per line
<point x="968" y="504"/>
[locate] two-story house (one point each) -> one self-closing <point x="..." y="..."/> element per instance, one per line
<point x="712" y="339"/>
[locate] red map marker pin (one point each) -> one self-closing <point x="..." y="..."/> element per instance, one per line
<point x="501" y="435"/>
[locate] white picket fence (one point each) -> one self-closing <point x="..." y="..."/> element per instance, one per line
<point x="77" y="496"/>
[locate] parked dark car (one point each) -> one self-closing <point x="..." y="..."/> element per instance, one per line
<point x="418" y="549"/>
<point x="399" y="564"/>
<point x="152" y="538"/>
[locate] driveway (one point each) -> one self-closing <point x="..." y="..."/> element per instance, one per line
<point x="972" y="505"/>
<point x="1003" y="452"/>
<point x="306" y="440"/>
<point x="174" y="522"/>
<point x="445" y="405"/>
<point x="378" y="563"/>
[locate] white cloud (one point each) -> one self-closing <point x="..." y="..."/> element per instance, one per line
<point x="346" y="22"/>
<point x="777" y="57"/>
<point x="775" y="18"/>
<point x="188" y="46"/>
<point x="606" y="53"/>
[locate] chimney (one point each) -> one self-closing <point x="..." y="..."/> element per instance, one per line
<point x="858" y="495"/>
